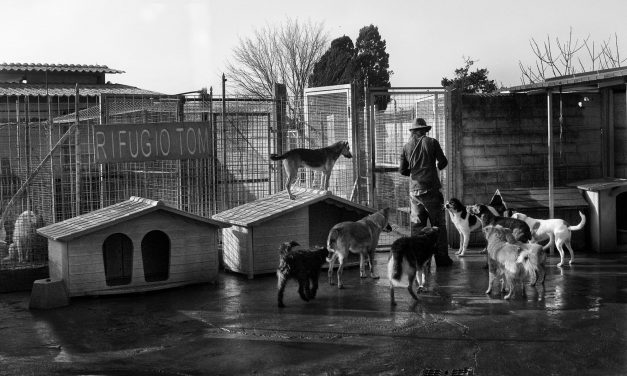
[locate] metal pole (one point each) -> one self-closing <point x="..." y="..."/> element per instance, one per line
<point x="224" y="164"/>
<point x="27" y="153"/>
<point x="52" y="181"/>
<point x="77" y="156"/>
<point x="549" y="99"/>
<point x="214" y="155"/>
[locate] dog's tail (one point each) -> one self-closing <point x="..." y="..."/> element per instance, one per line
<point x="528" y="264"/>
<point x="332" y="238"/>
<point x="276" y="157"/>
<point x="395" y="266"/>
<point x="580" y="225"/>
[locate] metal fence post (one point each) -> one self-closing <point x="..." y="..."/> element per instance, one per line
<point x="280" y="98"/>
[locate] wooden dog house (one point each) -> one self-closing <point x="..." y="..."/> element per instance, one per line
<point x="534" y="202"/>
<point x="135" y="245"/>
<point x="251" y="244"/>
<point x="608" y="220"/>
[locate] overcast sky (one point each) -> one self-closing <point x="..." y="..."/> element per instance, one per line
<point x="177" y="46"/>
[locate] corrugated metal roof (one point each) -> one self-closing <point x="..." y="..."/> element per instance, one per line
<point x="70" y="89"/>
<point x="580" y="79"/>
<point x="119" y="108"/>
<point x="82" y="68"/>
<point x="111" y="215"/>
<point x="272" y="206"/>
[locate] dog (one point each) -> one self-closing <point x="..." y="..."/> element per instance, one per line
<point x="502" y="260"/>
<point x="557" y="230"/>
<point x="322" y="159"/>
<point x="302" y="265"/>
<point x="464" y="222"/>
<point x="519" y="228"/>
<point x="532" y="257"/>
<point x="26" y="241"/>
<point x="359" y="237"/>
<point x="409" y="255"/>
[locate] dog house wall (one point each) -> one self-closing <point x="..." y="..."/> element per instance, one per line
<point x="604" y="195"/>
<point x="251" y="247"/>
<point x="79" y="261"/>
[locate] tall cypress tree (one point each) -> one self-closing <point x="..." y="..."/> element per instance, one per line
<point x="344" y="63"/>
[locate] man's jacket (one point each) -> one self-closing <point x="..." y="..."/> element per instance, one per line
<point x="418" y="161"/>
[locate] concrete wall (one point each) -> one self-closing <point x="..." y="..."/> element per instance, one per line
<point x="620" y="136"/>
<point x="501" y="141"/>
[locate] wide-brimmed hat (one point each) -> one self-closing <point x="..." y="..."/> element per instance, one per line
<point x="420" y="124"/>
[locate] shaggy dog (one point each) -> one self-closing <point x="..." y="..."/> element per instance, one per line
<point x="557" y="230"/>
<point x="26" y="241"/>
<point x="464" y="222"/>
<point x="519" y="228"/>
<point x="502" y="260"/>
<point x="533" y="259"/>
<point x="322" y="159"/>
<point x="302" y="265"/>
<point x="409" y="255"/>
<point x="359" y="237"/>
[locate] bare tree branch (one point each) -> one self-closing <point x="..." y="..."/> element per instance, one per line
<point x="284" y="53"/>
<point x="565" y="58"/>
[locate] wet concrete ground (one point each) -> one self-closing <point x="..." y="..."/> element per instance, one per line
<point x="577" y="326"/>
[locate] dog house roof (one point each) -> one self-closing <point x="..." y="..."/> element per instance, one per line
<point x="529" y="198"/>
<point x="278" y="204"/>
<point x="121" y="212"/>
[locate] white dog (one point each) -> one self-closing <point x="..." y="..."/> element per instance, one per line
<point x="558" y="231"/>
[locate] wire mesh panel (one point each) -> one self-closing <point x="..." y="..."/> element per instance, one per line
<point x="27" y="177"/>
<point x="390" y="131"/>
<point x="327" y="119"/>
<point x="244" y="143"/>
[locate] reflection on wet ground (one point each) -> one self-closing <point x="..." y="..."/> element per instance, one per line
<point x="574" y="324"/>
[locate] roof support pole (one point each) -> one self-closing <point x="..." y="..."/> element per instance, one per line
<point x="549" y="110"/>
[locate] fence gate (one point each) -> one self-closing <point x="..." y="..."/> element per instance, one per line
<point x="390" y="114"/>
<point x="329" y="117"/>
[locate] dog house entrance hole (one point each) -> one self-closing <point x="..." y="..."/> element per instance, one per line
<point x="117" y="251"/>
<point x="621" y="218"/>
<point x="156" y="256"/>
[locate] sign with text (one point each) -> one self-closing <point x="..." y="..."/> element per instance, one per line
<point x="152" y="141"/>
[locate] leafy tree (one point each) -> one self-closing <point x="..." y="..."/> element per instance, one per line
<point x="470" y="82"/>
<point x="335" y="65"/>
<point x="366" y="61"/>
<point x="372" y="62"/>
<point x="284" y="53"/>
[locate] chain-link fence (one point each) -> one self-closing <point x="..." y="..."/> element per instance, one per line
<point x="56" y="153"/>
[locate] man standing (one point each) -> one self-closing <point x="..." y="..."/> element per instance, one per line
<point x="421" y="159"/>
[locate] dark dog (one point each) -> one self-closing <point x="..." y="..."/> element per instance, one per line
<point x="520" y="229"/>
<point x="359" y="237"/>
<point x="302" y="265"/>
<point x="409" y="255"/>
<point x="322" y="159"/>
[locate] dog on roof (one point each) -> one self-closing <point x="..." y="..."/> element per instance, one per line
<point x="302" y="265"/>
<point x="322" y="159"/>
